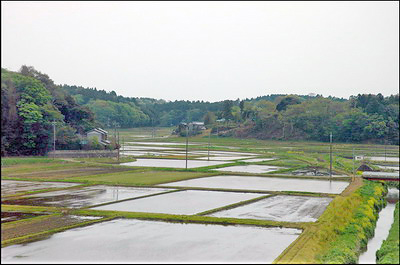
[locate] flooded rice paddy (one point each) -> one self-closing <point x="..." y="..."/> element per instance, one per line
<point x="83" y="197"/>
<point x="150" y="241"/>
<point x="395" y="168"/>
<point x="250" y="169"/>
<point x="382" y="158"/>
<point x="263" y="183"/>
<point x="280" y="208"/>
<point x="171" y="163"/>
<point x="9" y="187"/>
<point x="181" y="202"/>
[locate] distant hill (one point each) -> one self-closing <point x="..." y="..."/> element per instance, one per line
<point x="31" y="101"/>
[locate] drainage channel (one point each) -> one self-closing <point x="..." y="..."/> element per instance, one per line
<point x="385" y="220"/>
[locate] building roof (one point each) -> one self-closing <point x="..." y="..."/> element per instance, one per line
<point x="98" y="130"/>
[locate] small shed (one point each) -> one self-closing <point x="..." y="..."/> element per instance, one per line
<point x="100" y="134"/>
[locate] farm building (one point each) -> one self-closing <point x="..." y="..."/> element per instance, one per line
<point x="100" y="134"/>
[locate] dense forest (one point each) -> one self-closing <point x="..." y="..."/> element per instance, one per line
<point x="31" y="102"/>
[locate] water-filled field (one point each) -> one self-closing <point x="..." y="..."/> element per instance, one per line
<point x="181" y="202"/>
<point x="280" y="208"/>
<point x="263" y="183"/>
<point x="156" y="242"/>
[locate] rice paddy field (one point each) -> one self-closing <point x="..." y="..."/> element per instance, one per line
<point x="219" y="200"/>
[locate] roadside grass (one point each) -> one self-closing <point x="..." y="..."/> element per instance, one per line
<point x="342" y="231"/>
<point x="389" y="250"/>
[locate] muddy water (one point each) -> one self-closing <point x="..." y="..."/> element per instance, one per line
<point x="14" y="216"/>
<point x="250" y="169"/>
<point x="385" y="220"/>
<point x="263" y="183"/>
<point x="280" y="208"/>
<point x="14" y="186"/>
<point x="171" y="163"/>
<point x="182" y="202"/>
<point x="77" y="198"/>
<point x="137" y="241"/>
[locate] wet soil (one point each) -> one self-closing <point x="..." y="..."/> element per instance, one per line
<point x="9" y="187"/>
<point x="15" y="216"/>
<point x="37" y="226"/>
<point x="77" y="198"/>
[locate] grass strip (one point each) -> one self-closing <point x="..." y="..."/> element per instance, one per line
<point x="389" y="251"/>
<point x="31" y="209"/>
<point x="189" y="218"/>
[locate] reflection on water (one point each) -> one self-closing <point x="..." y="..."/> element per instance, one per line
<point x="263" y="183"/>
<point x="83" y="197"/>
<point x="137" y="241"/>
<point x="280" y="208"/>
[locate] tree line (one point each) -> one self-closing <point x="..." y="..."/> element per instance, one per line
<point x="31" y="102"/>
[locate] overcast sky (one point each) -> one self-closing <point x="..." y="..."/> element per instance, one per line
<point x="207" y="50"/>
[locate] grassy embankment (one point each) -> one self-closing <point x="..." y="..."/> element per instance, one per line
<point x="342" y="231"/>
<point x="389" y="251"/>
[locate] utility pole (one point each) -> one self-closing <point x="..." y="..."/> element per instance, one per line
<point x="118" y="147"/>
<point x="354" y="162"/>
<point x="187" y="140"/>
<point x="330" y="156"/>
<point x="54" y="135"/>
<point x="209" y="143"/>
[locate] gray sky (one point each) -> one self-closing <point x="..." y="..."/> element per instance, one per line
<point x="207" y="50"/>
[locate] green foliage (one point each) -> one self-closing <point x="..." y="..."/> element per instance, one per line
<point x="94" y="144"/>
<point x="125" y="115"/>
<point x="286" y="101"/>
<point x="67" y="139"/>
<point x="209" y="118"/>
<point x="350" y="237"/>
